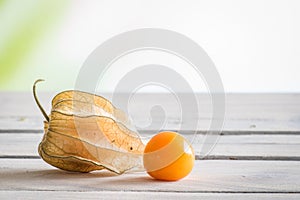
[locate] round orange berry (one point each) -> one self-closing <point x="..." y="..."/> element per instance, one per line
<point x="168" y="156"/>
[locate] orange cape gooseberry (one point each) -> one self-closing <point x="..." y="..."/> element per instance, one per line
<point x="168" y="156"/>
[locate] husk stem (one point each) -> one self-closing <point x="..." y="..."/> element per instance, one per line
<point x="37" y="101"/>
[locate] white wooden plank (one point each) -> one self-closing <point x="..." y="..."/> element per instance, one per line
<point x="228" y="146"/>
<point x="22" y="103"/>
<point x="139" y="195"/>
<point x="12" y="103"/>
<point x="249" y="113"/>
<point x="25" y="124"/>
<point x="207" y="176"/>
<point x="19" y="144"/>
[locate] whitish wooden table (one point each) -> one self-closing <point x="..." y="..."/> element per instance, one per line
<point x="257" y="156"/>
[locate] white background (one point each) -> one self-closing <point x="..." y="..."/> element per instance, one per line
<point x="255" y="44"/>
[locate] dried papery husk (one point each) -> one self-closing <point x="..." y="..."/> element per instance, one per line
<point x="85" y="132"/>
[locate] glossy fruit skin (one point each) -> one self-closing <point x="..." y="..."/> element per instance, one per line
<point x="168" y="157"/>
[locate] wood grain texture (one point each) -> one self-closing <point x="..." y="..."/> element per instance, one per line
<point x="139" y="195"/>
<point x="207" y="176"/>
<point x="245" y="113"/>
<point x="260" y="147"/>
<point x="257" y="153"/>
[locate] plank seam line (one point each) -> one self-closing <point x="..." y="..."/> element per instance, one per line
<point x="183" y="132"/>
<point x="160" y="191"/>
<point x="228" y="158"/>
<point x="250" y="158"/>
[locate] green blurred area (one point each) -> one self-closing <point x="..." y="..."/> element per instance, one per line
<point x="24" y="26"/>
